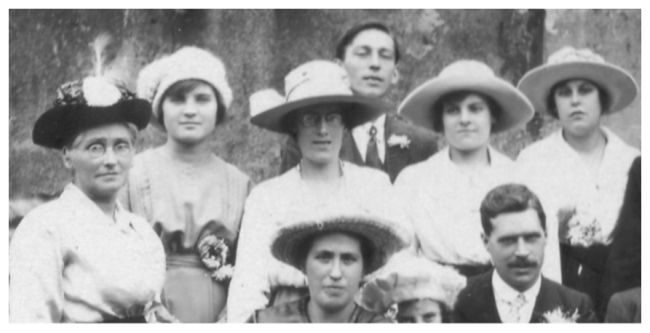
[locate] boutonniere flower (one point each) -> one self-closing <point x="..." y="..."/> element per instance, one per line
<point x="580" y="228"/>
<point x="213" y="251"/>
<point x="558" y="316"/>
<point x="402" y="141"/>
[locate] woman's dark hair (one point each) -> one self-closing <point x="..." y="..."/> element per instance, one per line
<point x="352" y="33"/>
<point x="366" y="247"/>
<point x="182" y="87"/>
<point x="603" y="98"/>
<point x="445" y="311"/>
<point x="456" y="97"/>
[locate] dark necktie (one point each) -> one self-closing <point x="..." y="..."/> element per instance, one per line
<point x="372" y="152"/>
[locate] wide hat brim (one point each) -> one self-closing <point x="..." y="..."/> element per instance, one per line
<point x="60" y="123"/>
<point x="383" y="239"/>
<point x="516" y="108"/>
<point x="361" y="109"/>
<point x="617" y="83"/>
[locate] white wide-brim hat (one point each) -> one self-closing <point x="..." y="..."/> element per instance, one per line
<point x="314" y="83"/>
<point x="407" y="277"/>
<point x="570" y="63"/>
<point x="468" y="75"/>
<point x="371" y="219"/>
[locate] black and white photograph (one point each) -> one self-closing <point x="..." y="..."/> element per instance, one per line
<point x="287" y="165"/>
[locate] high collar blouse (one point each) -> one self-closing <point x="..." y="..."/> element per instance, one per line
<point x="257" y="272"/>
<point x="556" y="172"/>
<point x="69" y="262"/>
<point x="443" y="201"/>
<point x="183" y="201"/>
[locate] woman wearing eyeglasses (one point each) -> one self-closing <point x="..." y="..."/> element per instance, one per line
<point x="317" y="109"/>
<point x="82" y="257"/>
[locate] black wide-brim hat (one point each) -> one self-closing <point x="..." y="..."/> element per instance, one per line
<point x="73" y="113"/>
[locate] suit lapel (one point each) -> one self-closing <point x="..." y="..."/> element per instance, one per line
<point x="485" y="307"/>
<point x="546" y="301"/>
<point x="349" y="150"/>
<point x="396" y="156"/>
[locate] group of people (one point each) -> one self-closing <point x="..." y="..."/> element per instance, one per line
<point x="368" y="221"/>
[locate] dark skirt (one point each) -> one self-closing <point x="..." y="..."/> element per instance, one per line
<point x="583" y="269"/>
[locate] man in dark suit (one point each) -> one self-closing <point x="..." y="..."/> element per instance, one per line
<point x="514" y="233"/>
<point x="369" y="53"/>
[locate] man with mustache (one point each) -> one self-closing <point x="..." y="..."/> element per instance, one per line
<point x="369" y="52"/>
<point x="514" y="233"/>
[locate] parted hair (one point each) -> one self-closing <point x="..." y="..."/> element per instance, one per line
<point x="509" y="198"/>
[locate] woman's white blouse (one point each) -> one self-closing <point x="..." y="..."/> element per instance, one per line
<point x="69" y="262"/>
<point x="256" y="270"/>
<point x="555" y="171"/>
<point x="443" y="202"/>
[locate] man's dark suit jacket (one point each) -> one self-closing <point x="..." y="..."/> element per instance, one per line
<point x="476" y="303"/>
<point x="423" y="144"/>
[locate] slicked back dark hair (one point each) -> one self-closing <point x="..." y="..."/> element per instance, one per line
<point x="509" y="198"/>
<point x="352" y="33"/>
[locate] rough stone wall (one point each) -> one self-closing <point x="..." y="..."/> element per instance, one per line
<point x="259" y="47"/>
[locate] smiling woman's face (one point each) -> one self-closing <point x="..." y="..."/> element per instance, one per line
<point x="578" y="106"/>
<point x="320" y="133"/>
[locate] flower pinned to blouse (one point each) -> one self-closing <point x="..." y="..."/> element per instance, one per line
<point x="559" y="316"/>
<point x="402" y="141"/>
<point x="214" y="253"/>
<point x="580" y="227"/>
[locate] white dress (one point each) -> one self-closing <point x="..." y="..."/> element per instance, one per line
<point x="69" y="262"/>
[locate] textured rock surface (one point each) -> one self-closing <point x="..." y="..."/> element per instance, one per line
<point x="49" y="47"/>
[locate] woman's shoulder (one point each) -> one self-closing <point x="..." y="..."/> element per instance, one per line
<point x="540" y="149"/>
<point x="232" y="170"/>
<point x="283" y="183"/>
<point x="427" y="167"/>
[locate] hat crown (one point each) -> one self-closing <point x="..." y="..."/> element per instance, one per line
<point x="466" y="68"/>
<point x="316" y="79"/>
<point x="570" y="54"/>
<point x="91" y="91"/>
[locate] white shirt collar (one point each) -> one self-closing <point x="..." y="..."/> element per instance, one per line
<point x="361" y="136"/>
<point x="505" y="294"/>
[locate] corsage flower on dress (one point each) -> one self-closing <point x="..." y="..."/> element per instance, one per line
<point x="213" y="251"/>
<point x="579" y="228"/>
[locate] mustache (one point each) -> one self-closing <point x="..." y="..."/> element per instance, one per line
<point x="522" y="263"/>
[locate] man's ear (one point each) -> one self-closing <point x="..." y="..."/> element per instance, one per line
<point x="65" y="154"/>
<point x="395" y="77"/>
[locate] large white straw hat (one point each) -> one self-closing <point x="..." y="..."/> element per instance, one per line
<point x="312" y="83"/>
<point x="468" y="75"/>
<point x="570" y="63"/>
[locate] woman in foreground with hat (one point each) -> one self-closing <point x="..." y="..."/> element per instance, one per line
<point x="413" y="290"/>
<point x="335" y="244"/>
<point x="82" y="257"/>
<point x="467" y="103"/>
<point x="317" y="109"/>
<point x="579" y="172"/>
<point x="192" y="198"/>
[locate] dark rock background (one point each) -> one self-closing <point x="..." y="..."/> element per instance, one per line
<point x="259" y="47"/>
